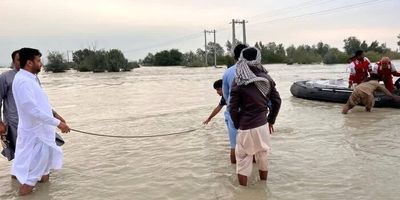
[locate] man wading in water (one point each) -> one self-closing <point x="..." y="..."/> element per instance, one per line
<point x="252" y="90"/>
<point x="36" y="150"/>
<point x="9" y="122"/>
<point x="227" y="81"/>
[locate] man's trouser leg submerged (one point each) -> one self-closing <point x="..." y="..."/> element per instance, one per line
<point x="252" y="142"/>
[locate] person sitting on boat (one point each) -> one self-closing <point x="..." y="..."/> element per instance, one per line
<point x="364" y="94"/>
<point x="386" y="70"/>
<point x="360" y="66"/>
<point x="218" y="87"/>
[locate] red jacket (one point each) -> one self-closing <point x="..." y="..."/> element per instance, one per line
<point x="359" y="70"/>
<point x="386" y="74"/>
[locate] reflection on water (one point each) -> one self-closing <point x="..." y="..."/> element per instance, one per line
<point x="317" y="152"/>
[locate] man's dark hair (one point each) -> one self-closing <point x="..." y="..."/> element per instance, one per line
<point x="238" y="49"/>
<point x="218" y="84"/>
<point x="14" y="54"/>
<point x="359" y="52"/>
<point x="250" y="54"/>
<point x="26" y="54"/>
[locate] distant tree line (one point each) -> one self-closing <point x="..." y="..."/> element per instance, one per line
<point x="174" y="57"/>
<point x="398" y="43"/>
<point x="114" y="60"/>
<point x="90" y="60"/>
<point x="274" y="53"/>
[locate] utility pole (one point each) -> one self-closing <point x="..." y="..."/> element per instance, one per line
<point x="68" y="54"/>
<point x="205" y="48"/>
<point x="234" y="22"/>
<point x="244" y="31"/>
<point x="233" y="35"/>
<point x="214" y="47"/>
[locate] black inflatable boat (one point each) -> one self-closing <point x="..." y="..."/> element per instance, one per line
<point x="334" y="91"/>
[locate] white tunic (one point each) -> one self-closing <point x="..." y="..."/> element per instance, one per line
<point x="375" y="68"/>
<point x="352" y="66"/>
<point x="36" y="151"/>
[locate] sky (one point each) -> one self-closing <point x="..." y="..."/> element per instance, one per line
<point x="138" y="27"/>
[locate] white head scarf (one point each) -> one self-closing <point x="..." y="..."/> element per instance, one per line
<point x="245" y="76"/>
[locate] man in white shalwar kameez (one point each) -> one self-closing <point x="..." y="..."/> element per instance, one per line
<point x="36" y="151"/>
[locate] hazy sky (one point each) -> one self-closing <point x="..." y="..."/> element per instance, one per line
<point x="140" y="26"/>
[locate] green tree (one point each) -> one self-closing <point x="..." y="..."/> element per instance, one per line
<point x="291" y="54"/>
<point x="373" y="46"/>
<point x="271" y="53"/>
<point x="84" y="59"/>
<point x="395" y="55"/>
<point x="130" y="66"/>
<point x="191" y="59"/>
<point x="116" y="61"/>
<point x="175" y="57"/>
<point x="351" y="45"/>
<point x="220" y="53"/>
<point x="364" y="46"/>
<point x="100" y="63"/>
<point x="148" y="60"/>
<point x="398" y="43"/>
<point x="334" y="56"/>
<point x="200" y="52"/>
<point x="306" y="55"/>
<point x="80" y="55"/>
<point x="226" y="60"/>
<point x="322" y="49"/>
<point x="56" y="62"/>
<point x="229" y="47"/>
<point x="211" y="46"/>
<point x="373" y="56"/>
<point x="303" y="54"/>
<point x="168" y="58"/>
<point x="87" y="63"/>
<point x="378" y="48"/>
<point x="162" y="58"/>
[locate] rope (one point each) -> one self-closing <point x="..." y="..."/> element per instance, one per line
<point x="137" y="136"/>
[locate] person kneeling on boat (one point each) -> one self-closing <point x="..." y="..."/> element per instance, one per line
<point x="386" y="70"/>
<point x="364" y="94"/>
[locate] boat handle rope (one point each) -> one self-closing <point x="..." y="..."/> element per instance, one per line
<point x="137" y="136"/>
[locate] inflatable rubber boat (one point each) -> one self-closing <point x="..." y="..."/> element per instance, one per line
<point x="335" y="91"/>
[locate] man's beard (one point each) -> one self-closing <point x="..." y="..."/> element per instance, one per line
<point x="37" y="71"/>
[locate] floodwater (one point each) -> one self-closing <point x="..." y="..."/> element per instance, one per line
<point x="317" y="153"/>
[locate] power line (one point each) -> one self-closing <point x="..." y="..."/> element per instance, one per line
<point x="198" y="34"/>
<point x="176" y="40"/>
<point x="350" y="6"/>
<point x="223" y="28"/>
<point x="301" y="5"/>
<point x="298" y="7"/>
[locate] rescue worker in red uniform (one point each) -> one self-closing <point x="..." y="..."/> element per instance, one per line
<point x="386" y="70"/>
<point x="360" y="67"/>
